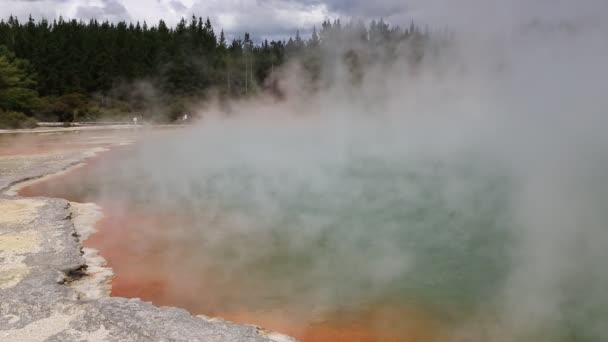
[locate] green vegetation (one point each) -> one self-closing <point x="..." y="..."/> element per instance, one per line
<point x="75" y="71"/>
<point x="17" y="93"/>
<point x="14" y="120"/>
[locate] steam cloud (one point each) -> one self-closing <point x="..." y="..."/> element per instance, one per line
<point x="475" y="182"/>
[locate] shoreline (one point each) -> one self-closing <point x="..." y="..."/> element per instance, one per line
<point x="47" y="130"/>
<point x="96" y="283"/>
<point x="14" y="188"/>
<point x="87" y="281"/>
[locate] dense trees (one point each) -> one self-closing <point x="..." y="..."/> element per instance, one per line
<point x="68" y="69"/>
<point x="16" y="83"/>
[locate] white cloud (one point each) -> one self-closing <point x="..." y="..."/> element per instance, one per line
<point x="281" y="17"/>
<point x="45" y="8"/>
<point x="261" y="17"/>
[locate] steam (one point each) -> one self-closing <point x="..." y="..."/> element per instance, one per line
<point x="473" y="185"/>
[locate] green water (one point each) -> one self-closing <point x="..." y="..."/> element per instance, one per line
<point x="440" y="236"/>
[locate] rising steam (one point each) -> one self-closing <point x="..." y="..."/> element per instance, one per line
<point x="473" y="184"/>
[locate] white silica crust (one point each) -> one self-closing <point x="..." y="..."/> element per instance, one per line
<point x="53" y="289"/>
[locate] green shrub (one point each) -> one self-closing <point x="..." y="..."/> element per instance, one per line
<point x="66" y="108"/>
<point x="19" y="99"/>
<point x="15" y="120"/>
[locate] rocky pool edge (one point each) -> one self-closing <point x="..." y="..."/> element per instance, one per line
<point x="54" y="289"/>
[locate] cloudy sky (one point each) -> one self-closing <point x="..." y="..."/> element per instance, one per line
<point x="268" y="18"/>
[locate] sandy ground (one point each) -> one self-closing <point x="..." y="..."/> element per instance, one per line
<point x="79" y="129"/>
<point x="51" y="288"/>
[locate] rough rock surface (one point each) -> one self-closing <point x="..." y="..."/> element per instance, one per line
<point x="41" y="259"/>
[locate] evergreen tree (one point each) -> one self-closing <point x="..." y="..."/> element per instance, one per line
<point x="79" y="68"/>
<point x="16" y="83"/>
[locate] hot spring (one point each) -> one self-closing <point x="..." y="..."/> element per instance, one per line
<point x="331" y="237"/>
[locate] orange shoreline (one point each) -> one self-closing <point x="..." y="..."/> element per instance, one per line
<point x="148" y="273"/>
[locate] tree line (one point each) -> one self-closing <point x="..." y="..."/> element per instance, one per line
<point x="68" y="70"/>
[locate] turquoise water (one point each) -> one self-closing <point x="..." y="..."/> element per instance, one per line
<point x="440" y="235"/>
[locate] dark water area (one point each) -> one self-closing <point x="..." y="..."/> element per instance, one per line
<point x="372" y="250"/>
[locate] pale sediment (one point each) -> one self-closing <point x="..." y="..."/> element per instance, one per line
<point x="53" y="289"/>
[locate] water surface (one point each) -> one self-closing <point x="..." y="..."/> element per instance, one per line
<point x="365" y="248"/>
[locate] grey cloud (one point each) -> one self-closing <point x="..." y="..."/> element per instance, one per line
<point x="111" y="10"/>
<point x="468" y="13"/>
<point x="265" y="18"/>
<point x="501" y="14"/>
<point x="262" y="19"/>
<point x="177" y="6"/>
<point x="36" y="8"/>
<point x="365" y="8"/>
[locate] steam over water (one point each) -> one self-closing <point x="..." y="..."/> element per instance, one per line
<point x="325" y="240"/>
<point x="464" y="200"/>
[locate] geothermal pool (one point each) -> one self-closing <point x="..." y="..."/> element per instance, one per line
<point x="364" y="247"/>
